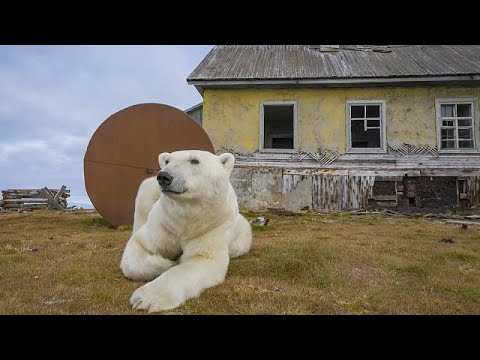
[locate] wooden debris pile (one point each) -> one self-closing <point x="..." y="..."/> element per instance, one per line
<point x="31" y="199"/>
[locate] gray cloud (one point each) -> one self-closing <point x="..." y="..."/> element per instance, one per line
<point x="53" y="98"/>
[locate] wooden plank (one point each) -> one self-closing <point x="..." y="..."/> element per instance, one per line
<point x="27" y="196"/>
<point x="21" y="201"/>
<point x="369" y="170"/>
<point x="428" y="169"/>
<point x="385" y="198"/>
<point x="315" y="205"/>
<point x="384" y="173"/>
<point x="353" y="189"/>
<point x="341" y="192"/>
<point x="305" y="172"/>
<point x="60" y="192"/>
<point x="389" y="178"/>
<point x="357" y="172"/>
<point x="473" y="189"/>
<point x="449" y="172"/>
<point x="46" y="191"/>
<point x="29" y="190"/>
<point x="32" y="193"/>
<point x="462" y="222"/>
<point x="330" y="193"/>
<point x="465" y="163"/>
<point x="52" y="202"/>
<point x="22" y="206"/>
<point x="5" y="192"/>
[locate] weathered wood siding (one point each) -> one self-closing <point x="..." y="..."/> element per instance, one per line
<point x="341" y="192"/>
<point x="473" y="189"/>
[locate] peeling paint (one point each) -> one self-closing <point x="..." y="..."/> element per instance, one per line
<point x="323" y="156"/>
<point x="290" y="182"/>
<point x="407" y="149"/>
<point x="232" y="117"/>
<point x="319" y="173"/>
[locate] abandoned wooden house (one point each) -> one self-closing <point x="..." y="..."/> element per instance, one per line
<point x="342" y="127"/>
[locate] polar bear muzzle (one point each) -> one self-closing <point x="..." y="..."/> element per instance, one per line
<point x="165" y="180"/>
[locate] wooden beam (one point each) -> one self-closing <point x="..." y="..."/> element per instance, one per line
<point x="388" y="178"/>
<point x="28" y="190"/>
<point x="314" y="172"/>
<point x="367" y="172"/>
<point x="52" y="202"/>
<point x="385" y="197"/>
<point x="60" y="192"/>
<point x="20" y="201"/>
<point x="30" y="196"/>
<point x="25" y="206"/>
<point x="463" y="222"/>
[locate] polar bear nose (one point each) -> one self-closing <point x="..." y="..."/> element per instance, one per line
<point x="164" y="178"/>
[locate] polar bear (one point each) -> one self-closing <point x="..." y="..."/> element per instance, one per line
<point x="183" y="244"/>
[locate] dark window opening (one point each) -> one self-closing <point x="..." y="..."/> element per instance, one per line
<point x="278" y="126"/>
<point x="358" y="112"/>
<point x="282" y="143"/>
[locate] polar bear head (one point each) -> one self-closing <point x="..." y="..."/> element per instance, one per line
<point x="194" y="174"/>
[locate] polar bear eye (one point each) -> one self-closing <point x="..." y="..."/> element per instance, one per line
<point x="194" y="162"/>
<point x="166" y="162"/>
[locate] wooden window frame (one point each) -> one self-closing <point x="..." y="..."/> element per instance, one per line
<point x="383" y="127"/>
<point x="475" y="138"/>
<point x="262" y="126"/>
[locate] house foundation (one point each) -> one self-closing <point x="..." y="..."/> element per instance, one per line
<point x="345" y="185"/>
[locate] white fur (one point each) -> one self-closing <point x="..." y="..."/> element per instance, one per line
<point x="147" y="195"/>
<point x="201" y="224"/>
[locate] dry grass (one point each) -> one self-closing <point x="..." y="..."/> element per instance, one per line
<point x="309" y="264"/>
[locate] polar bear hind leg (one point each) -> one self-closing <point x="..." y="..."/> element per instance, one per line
<point x="242" y="240"/>
<point x="147" y="195"/>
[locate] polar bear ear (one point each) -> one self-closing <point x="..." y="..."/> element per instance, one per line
<point x="228" y="160"/>
<point x="161" y="159"/>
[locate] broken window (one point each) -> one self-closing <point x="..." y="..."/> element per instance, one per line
<point x="366" y="126"/>
<point x="456" y="123"/>
<point x="278" y="126"/>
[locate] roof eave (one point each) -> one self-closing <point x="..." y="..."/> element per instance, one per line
<point x="340" y="82"/>
<point x="199" y="88"/>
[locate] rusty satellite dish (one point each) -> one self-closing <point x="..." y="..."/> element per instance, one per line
<point x="124" y="150"/>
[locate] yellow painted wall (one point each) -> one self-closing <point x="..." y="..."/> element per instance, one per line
<point x="232" y="117"/>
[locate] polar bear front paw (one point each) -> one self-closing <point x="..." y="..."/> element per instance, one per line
<point x="152" y="299"/>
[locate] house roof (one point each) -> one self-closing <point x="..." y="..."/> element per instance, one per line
<point x="287" y="63"/>
<point x="194" y="107"/>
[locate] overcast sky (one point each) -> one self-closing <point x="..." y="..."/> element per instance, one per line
<point x="53" y="98"/>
